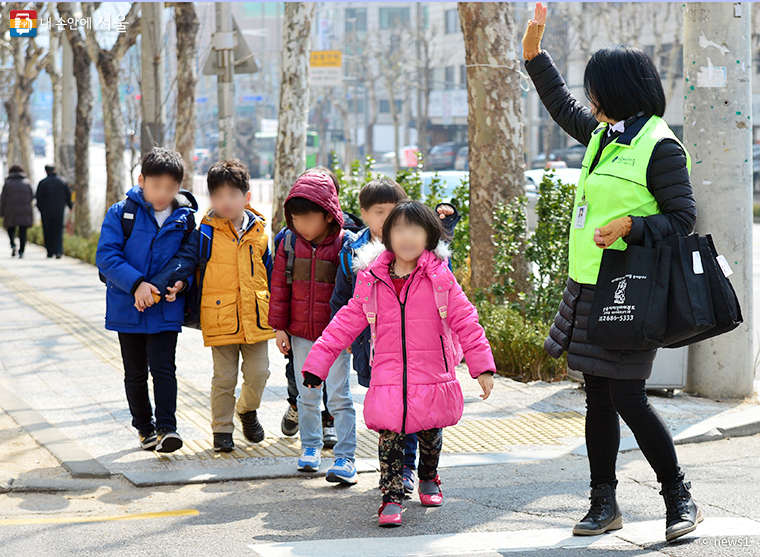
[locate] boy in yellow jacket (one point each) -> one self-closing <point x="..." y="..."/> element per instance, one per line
<point x="234" y="270"/>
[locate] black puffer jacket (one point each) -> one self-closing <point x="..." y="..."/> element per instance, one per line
<point x="16" y="201"/>
<point x="667" y="180"/>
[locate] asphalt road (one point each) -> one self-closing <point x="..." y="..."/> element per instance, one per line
<point x="489" y="510"/>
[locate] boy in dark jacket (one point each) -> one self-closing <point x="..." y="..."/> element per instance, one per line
<point x="138" y="238"/>
<point x="299" y="311"/>
<point x="376" y="199"/>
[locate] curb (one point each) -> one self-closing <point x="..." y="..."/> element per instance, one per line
<point x="76" y="460"/>
<point x="232" y="474"/>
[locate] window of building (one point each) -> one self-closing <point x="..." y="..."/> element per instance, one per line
<point x="463" y="76"/>
<point x="385" y="106"/>
<point x="356" y="19"/>
<point x="449" y="77"/>
<point x="394" y="18"/>
<point x="452" y="22"/>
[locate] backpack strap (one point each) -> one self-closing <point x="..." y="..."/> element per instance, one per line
<point x="207" y="240"/>
<point x="290" y="252"/>
<point x="369" y="305"/>
<point x="346" y="262"/>
<point x="128" y="216"/>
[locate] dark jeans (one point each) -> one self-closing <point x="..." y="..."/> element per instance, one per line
<point x="391" y="447"/>
<point x="21" y="237"/>
<point x="410" y="451"/>
<point x="605" y="400"/>
<point x="52" y="230"/>
<point x="141" y="353"/>
<point x="290" y="375"/>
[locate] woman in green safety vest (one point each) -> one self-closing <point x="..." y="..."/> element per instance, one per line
<point x="634" y="169"/>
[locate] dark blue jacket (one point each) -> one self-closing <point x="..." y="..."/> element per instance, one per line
<point x="344" y="289"/>
<point x="146" y="252"/>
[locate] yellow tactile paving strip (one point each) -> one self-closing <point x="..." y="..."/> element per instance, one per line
<point x="469" y="436"/>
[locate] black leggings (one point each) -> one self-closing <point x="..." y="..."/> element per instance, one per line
<point x="21" y="237"/>
<point x="605" y="400"/>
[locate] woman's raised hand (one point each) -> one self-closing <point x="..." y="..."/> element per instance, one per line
<point x="532" y="38"/>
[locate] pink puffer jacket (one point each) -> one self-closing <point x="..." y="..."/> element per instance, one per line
<point x="414" y="385"/>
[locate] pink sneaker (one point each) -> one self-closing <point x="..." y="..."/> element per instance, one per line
<point x="430" y="492"/>
<point x="389" y="515"/>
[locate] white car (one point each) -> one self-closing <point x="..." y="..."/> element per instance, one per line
<point x="450" y="179"/>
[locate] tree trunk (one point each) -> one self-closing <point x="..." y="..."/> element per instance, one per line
<point x="369" y="133"/>
<point x="187" y="50"/>
<point x="82" y="75"/>
<point x="53" y="69"/>
<point x="494" y="129"/>
<point x="290" y="151"/>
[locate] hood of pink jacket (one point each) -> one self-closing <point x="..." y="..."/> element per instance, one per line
<point x="414" y="385"/>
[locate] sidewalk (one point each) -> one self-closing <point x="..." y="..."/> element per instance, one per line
<point x="61" y="372"/>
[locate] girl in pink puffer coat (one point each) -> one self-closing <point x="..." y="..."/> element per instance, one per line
<point x="413" y="304"/>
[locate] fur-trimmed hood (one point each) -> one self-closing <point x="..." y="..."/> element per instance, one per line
<point x="366" y="255"/>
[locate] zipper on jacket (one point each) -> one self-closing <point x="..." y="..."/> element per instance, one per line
<point x="312" y="288"/>
<point x="443" y="349"/>
<point x="405" y="385"/>
<point x="251" y="259"/>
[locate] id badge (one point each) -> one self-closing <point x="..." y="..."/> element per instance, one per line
<point x="580" y="215"/>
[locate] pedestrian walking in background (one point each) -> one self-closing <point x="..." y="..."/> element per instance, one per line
<point x="53" y="196"/>
<point x="635" y="173"/>
<point x="16" y="207"/>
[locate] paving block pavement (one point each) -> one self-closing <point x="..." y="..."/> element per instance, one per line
<point x="58" y="360"/>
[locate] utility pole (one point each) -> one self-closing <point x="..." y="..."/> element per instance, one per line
<point x="152" y="76"/>
<point x="223" y="44"/>
<point x="68" y="109"/>
<point x="718" y="134"/>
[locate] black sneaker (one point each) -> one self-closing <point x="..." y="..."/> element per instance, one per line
<point x="252" y="429"/>
<point x="148" y="439"/>
<point x="289" y="424"/>
<point x="223" y="443"/>
<point x="14" y="251"/>
<point x="329" y="433"/>
<point x="168" y="441"/>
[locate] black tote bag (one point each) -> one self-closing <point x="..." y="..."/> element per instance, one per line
<point x="690" y="308"/>
<point x="629" y="311"/>
<point x="725" y="305"/>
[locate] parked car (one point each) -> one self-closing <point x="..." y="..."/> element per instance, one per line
<point x="38" y="143"/>
<point x="201" y="161"/>
<point x="462" y="162"/>
<point x="443" y="155"/>
<point x="569" y="157"/>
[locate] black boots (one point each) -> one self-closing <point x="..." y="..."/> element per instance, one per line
<point x="252" y="429"/>
<point x="603" y="515"/>
<point x="682" y="515"/>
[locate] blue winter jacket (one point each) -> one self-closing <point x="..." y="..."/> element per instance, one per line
<point x="344" y="289"/>
<point x="144" y="254"/>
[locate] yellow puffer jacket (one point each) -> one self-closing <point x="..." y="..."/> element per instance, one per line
<point x="235" y="299"/>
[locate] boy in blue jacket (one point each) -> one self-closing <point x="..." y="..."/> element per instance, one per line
<point x="376" y="200"/>
<point x="138" y="238"/>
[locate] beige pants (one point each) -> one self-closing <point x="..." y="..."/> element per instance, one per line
<point x="226" y="367"/>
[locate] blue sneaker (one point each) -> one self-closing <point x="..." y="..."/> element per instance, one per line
<point x="343" y="471"/>
<point x="310" y="460"/>
<point x="408" y="480"/>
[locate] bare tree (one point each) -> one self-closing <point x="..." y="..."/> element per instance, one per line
<point x="290" y="151"/>
<point x="83" y="76"/>
<point x="29" y="59"/>
<point x="390" y="56"/>
<point x="108" y="63"/>
<point x="187" y="25"/>
<point x="56" y="80"/>
<point x="494" y="129"/>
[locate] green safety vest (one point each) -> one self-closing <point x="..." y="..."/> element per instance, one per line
<point x="616" y="188"/>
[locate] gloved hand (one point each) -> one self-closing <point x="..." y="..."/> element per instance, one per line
<point x="607" y="235"/>
<point x="532" y="39"/>
<point x="310" y="380"/>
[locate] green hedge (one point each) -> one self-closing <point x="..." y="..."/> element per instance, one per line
<point x="73" y="246"/>
<point x="518" y="344"/>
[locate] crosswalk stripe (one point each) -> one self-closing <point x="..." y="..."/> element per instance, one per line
<point x="632" y="536"/>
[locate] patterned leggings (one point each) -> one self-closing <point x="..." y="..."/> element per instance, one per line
<point x="391" y="452"/>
